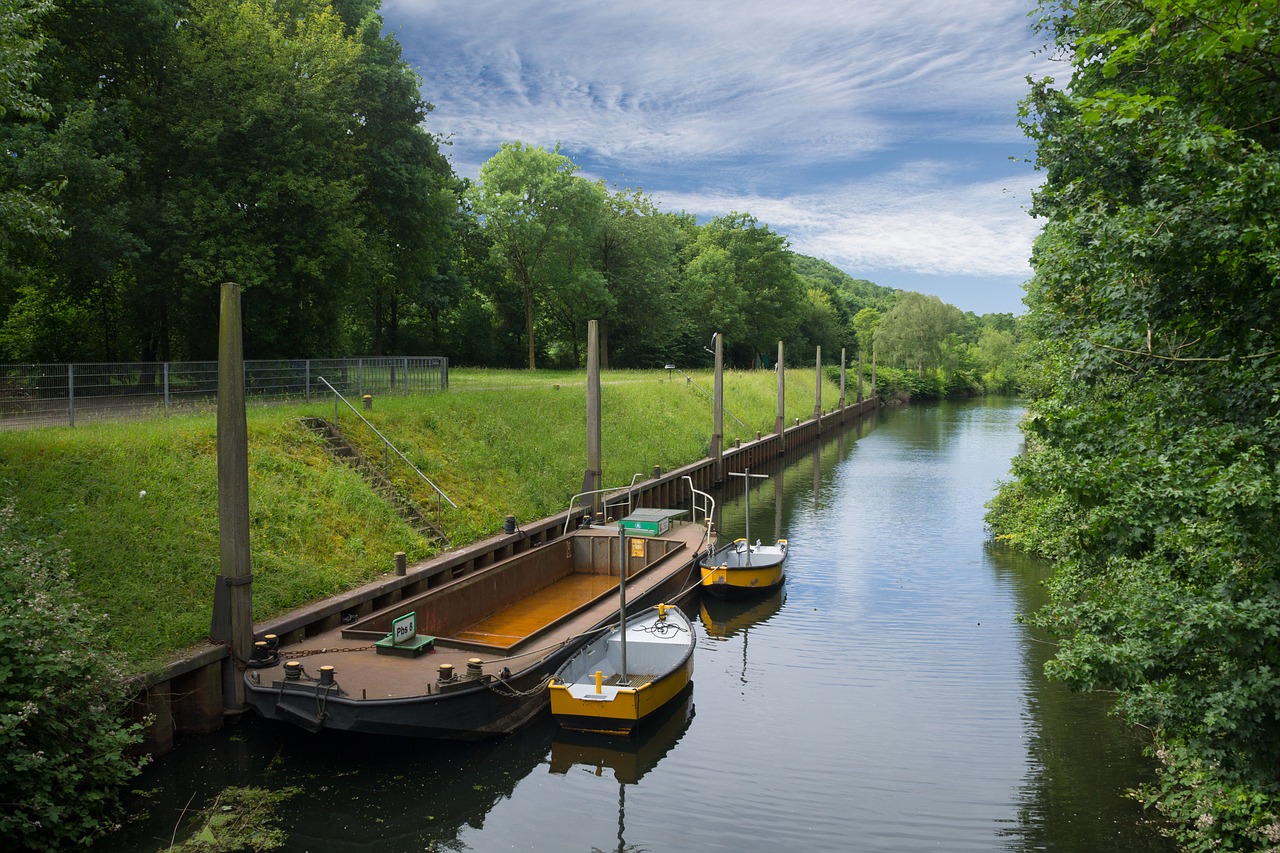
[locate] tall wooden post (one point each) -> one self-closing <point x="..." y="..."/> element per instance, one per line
<point x="779" y="424"/>
<point x="591" y="482"/>
<point x="859" y="381"/>
<point x="233" y="597"/>
<point x="842" y="375"/>
<point x="817" y="394"/>
<point x="717" y="417"/>
<point x="873" y="371"/>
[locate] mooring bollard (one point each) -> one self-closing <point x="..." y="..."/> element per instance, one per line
<point x="368" y="402"/>
<point x="400" y="563"/>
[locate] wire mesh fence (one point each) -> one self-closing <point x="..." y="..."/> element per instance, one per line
<point x="52" y="394"/>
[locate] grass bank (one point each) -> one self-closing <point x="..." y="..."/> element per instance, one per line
<point x="134" y="504"/>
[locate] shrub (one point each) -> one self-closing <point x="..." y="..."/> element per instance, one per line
<point x="62" y="701"/>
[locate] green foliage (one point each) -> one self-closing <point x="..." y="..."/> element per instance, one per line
<point x="62" y="702"/>
<point x="279" y="145"/>
<point x="911" y="335"/>
<point x="239" y="819"/>
<point x="284" y="146"/>
<point x="742" y="285"/>
<point x="1153" y="463"/>
<point x="24" y="209"/>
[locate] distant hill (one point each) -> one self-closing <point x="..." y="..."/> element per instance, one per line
<point x="849" y="294"/>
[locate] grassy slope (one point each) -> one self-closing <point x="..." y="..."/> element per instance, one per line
<point x="496" y="443"/>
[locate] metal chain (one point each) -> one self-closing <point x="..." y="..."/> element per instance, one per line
<point x="305" y="653"/>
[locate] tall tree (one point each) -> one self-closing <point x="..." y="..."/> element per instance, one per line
<point x="912" y="333"/>
<point x="741" y="283"/>
<point x="259" y="182"/>
<point x="637" y="252"/>
<point x="541" y="219"/>
<point x="409" y="196"/>
<point x="23" y="209"/>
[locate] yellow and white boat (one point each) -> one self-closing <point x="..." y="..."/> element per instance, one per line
<point x="739" y="568"/>
<point x="623" y="676"/>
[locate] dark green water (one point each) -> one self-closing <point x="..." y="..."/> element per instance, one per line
<point x="886" y="700"/>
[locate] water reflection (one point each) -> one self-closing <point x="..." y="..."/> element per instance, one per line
<point x="357" y="793"/>
<point x="629" y="758"/>
<point x="1074" y="749"/>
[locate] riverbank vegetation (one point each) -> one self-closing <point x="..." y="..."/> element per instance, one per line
<point x="1152" y="472"/>
<point x="167" y="147"/>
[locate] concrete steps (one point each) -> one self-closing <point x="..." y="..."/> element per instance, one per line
<point x="342" y="450"/>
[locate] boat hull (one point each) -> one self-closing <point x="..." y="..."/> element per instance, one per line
<point x="581" y="703"/>
<point x="727" y="573"/>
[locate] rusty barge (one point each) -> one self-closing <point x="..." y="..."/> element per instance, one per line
<point x="471" y="659"/>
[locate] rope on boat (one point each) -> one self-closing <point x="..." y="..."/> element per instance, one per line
<point x="507" y="690"/>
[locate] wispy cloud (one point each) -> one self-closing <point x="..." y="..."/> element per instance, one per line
<point x="797" y="112"/>
<point x="902" y="221"/>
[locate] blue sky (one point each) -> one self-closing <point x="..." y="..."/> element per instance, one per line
<point x="880" y="136"/>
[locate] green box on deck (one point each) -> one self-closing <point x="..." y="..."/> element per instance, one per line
<point x="649" y="522"/>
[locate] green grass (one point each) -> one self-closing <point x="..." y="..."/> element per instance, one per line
<point x="498" y="443"/>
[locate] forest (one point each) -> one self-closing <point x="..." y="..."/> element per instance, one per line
<point x="160" y="147"/>
<point x="1152" y="471"/>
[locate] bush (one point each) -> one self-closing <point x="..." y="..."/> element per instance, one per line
<point x="62" y="703"/>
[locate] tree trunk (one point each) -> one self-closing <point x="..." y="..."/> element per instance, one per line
<point x="604" y="340"/>
<point x="528" y="323"/>
<point x="377" y="322"/>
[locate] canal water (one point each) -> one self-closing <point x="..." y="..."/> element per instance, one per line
<point x="887" y="699"/>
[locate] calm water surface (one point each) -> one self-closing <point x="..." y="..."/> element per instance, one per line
<point x="885" y="700"/>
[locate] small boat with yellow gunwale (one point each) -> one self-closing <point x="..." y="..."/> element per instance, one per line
<point x="741" y="568"/>
<point x="625" y="675"/>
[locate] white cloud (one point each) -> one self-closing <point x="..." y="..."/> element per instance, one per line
<point x="661" y="79"/>
<point x="875" y="134"/>
<point x="908" y="221"/>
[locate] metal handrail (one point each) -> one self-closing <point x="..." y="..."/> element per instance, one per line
<point x="573" y="500"/>
<point x="708" y="504"/>
<point x="337" y="395"/>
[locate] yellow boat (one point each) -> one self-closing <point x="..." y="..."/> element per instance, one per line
<point x="623" y="676"/>
<point x="741" y="568"/>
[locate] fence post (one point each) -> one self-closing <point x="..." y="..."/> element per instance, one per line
<point x="306" y="387"/>
<point x="359" y="377"/>
<point x="166" y="387"/>
<point x="71" y="394"/>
